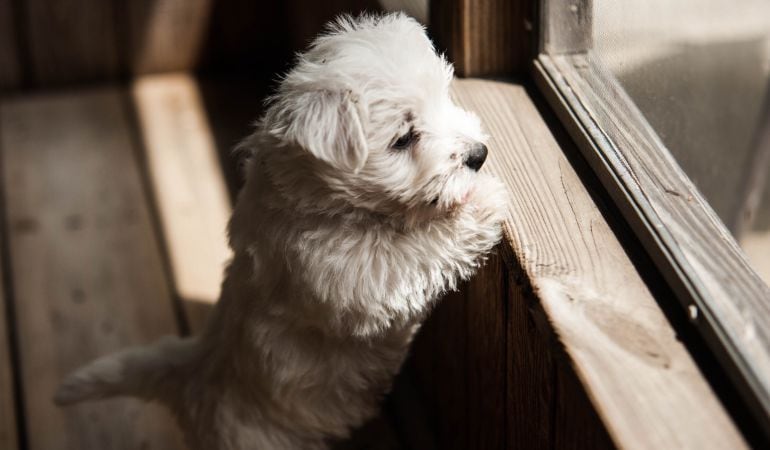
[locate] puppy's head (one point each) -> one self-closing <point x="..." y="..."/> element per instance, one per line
<point x="370" y="103"/>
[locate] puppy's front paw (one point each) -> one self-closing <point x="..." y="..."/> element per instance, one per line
<point x="488" y="200"/>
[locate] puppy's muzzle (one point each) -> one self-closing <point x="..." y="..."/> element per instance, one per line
<point x="475" y="158"/>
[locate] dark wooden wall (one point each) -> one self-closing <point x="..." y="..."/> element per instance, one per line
<point x="494" y="376"/>
<point x="52" y="43"/>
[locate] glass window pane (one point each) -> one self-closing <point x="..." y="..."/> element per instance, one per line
<point x="699" y="71"/>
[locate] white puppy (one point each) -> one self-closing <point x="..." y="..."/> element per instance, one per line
<point x="363" y="204"/>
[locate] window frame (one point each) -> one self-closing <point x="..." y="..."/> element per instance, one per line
<point x="726" y="300"/>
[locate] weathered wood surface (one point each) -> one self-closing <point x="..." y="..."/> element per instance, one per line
<point x="691" y="245"/>
<point x="165" y="35"/>
<point x="484" y="37"/>
<point x="9" y="438"/>
<point x="188" y="187"/>
<point x="643" y="383"/>
<point x="10" y="65"/>
<point x="86" y="267"/>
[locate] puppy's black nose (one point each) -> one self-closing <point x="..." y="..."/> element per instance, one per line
<point x="476" y="157"/>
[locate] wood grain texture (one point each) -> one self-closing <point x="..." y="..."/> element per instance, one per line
<point x="695" y="251"/>
<point x="86" y="267"/>
<point x="529" y="386"/>
<point x="10" y="64"/>
<point x="486" y="359"/>
<point x="576" y="426"/>
<point x="643" y="383"/>
<point x="9" y="438"/>
<point x="441" y="351"/>
<point x="165" y="35"/>
<point x="484" y="37"/>
<point x="188" y="186"/>
<point x="71" y="41"/>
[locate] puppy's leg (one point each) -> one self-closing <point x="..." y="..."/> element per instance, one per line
<point x="148" y="372"/>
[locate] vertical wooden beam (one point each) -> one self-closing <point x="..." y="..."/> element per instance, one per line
<point x="484" y="37"/>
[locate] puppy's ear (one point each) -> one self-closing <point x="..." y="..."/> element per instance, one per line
<point x="328" y="124"/>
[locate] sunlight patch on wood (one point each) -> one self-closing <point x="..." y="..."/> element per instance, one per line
<point x="187" y="182"/>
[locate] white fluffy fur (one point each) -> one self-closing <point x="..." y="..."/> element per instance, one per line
<point x="342" y="244"/>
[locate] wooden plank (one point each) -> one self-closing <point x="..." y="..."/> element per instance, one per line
<point x="165" y="35"/>
<point x="440" y="367"/>
<point x="406" y="407"/>
<point x="10" y="65"/>
<point x="86" y="268"/>
<point x="695" y="252"/>
<point x="643" y="383"/>
<point x="576" y="425"/>
<point x="189" y="188"/>
<point x="529" y="373"/>
<point x="484" y="37"/>
<point x="70" y="41"/>
<point x="486" y="357"/>
<point x="9" y="438"/>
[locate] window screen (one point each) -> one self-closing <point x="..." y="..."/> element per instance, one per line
<point x="699" y="71"/>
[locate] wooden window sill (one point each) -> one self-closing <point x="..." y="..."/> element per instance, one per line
<point x="565" y="271"/>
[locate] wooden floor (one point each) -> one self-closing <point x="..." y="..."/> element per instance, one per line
<point x="115" y="205"/>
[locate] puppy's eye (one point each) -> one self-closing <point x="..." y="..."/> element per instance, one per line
<point x="404" y="141"/>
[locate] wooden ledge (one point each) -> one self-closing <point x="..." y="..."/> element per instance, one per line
<point x="646" y="388"/>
